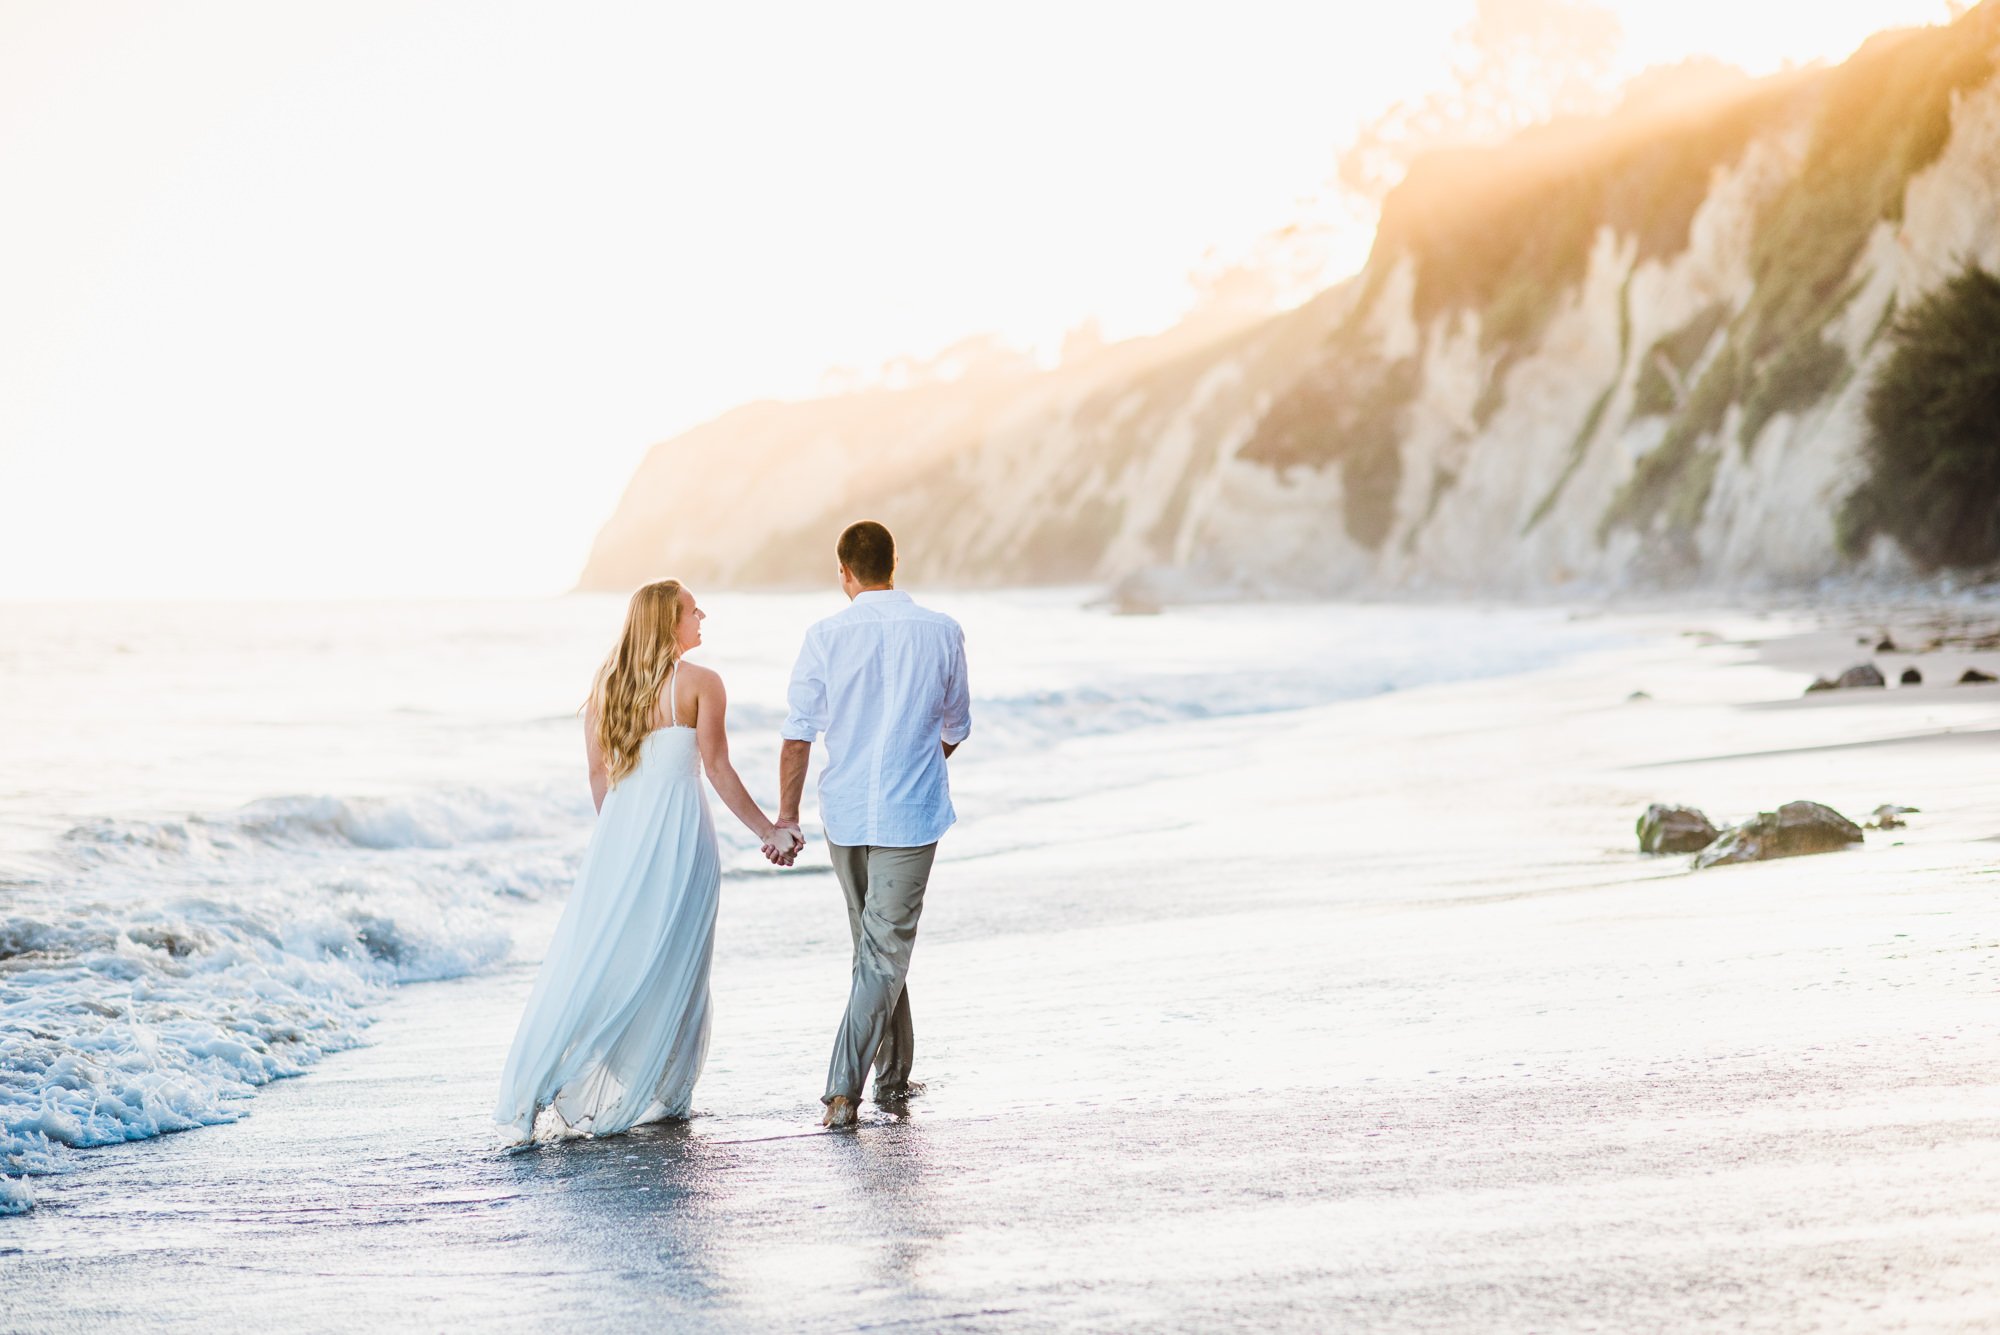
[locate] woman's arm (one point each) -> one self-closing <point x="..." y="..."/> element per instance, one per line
<point x="712" y="702"/>
<point x="600" y="776"/>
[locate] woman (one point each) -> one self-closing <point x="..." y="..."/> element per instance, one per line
<point x="617" y="1025"/>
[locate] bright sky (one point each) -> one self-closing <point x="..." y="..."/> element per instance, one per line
<point x="344" y="297"/>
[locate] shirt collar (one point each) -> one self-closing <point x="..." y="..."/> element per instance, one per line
<point x="881" y="596"/>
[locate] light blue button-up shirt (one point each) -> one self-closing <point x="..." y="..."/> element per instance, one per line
<point x="885" y="681"/>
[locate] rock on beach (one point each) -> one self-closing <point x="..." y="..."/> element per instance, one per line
<point x="1861" y="675"/>
<point x="1672" y="829"/>
<point x="1793" y="830"/>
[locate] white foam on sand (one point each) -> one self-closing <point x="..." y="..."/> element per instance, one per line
<point x="163" y="970"/>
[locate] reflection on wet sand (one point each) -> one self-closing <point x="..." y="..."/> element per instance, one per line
<point x="889" y="1170"/>
<point x="649" y="1201"/>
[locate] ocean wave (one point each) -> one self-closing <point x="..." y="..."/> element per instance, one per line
<point x="1036" y="718"/>
<point x="164" y="970"/>
<point x="443" y="820"/>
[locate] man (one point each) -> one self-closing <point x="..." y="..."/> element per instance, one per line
<point x="884" y="680"/>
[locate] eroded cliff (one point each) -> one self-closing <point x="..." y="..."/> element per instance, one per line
<point x="1638" y="350"/>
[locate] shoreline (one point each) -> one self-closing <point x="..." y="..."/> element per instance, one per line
<point x="1368" y="1014"/>
<point x="418" y="880"/>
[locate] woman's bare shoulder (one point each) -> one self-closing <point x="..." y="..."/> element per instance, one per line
<point x="701" y="676"/>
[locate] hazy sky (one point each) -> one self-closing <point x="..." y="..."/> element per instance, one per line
<point x="356" y="298"/>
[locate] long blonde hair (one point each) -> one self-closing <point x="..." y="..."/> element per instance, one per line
<point x="625" y="697"/>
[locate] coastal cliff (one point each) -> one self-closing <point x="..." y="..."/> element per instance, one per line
<point x="1747" y="338"/>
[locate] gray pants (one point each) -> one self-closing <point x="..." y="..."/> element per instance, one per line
<point x="884" y="888"/>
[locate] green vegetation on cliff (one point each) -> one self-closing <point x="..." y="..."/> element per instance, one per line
<point x="1506" y="233"/>
<point x="1672" y="481"/>
<point x="1880" y="118"/>
<point x="1503" y="237"/>
<point x="1877" y="120"/>
<point x="1934" y="432"/>
<point x="1349" y="410"/>
<point x="1801" y="373"/>
<point x="1587" y="433"/>
<point x="1674" y="354"/>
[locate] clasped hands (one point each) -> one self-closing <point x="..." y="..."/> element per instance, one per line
<point x="782" y="848"/>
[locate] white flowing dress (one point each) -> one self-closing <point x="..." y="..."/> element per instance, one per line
<point x="617" y="1026"/>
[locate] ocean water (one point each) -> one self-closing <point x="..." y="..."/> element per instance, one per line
<point x="227" y="831"/>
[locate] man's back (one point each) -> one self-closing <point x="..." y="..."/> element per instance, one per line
<point x="885" y="680"/>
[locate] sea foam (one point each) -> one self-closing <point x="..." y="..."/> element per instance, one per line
<point x="163" y="970"/>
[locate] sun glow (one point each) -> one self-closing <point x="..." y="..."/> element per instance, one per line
<point x="376" y="298"/>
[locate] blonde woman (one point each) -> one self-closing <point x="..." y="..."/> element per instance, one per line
<point x="617" y="1025"/>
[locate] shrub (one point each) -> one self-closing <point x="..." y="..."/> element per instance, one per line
<point x="1933" y="448"/>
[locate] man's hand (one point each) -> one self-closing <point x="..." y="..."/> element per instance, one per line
<point x="793" y="758"/>
<point x="782" y="848"/>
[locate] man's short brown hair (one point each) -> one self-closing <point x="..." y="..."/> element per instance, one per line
<point x="868" y="552"/>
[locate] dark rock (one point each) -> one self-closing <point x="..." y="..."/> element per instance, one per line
<point x="1665" y="829"/>
<point x="1860" y="675"/>
<point x="1911" y="677"/>
<point x="1793" y="830"/>
<point x="1636" y="697"/>
<point x="1887" y="646"/>
<point x="1889" y="816"/>
<point x="1973" y="677"/>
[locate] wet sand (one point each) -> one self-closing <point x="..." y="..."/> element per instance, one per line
<point x="1367" y="1017"/>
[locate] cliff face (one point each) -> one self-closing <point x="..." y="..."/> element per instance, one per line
<point x="1635" y="351"/>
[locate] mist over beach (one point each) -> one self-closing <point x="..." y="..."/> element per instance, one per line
<point x="1475" y="532"/>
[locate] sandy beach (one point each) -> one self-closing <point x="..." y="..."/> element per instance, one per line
<point x="1360" y="475"/>
<point x="1363" y="1017"/>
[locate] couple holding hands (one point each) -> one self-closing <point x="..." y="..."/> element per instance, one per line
<point x="616" y="1028"/>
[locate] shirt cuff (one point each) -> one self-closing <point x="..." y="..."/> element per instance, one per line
<point x="953" y="736"/>
<point x="799" y="732"/>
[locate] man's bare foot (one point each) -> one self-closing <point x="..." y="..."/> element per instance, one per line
<point x="839" y="1112"/>
<point x="898" y="1093"/>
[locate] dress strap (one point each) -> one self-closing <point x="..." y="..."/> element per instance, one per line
<point x="673" y="714"/>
